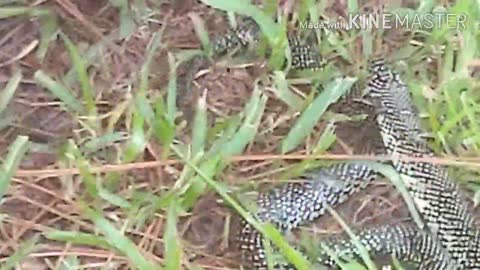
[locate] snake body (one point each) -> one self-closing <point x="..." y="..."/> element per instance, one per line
<point x="449" y="239"/>
<point x="406" y="243"/>
<point x="452" y="240"/>
<point x="438" y="199"/>
<point x="294" y="204"/>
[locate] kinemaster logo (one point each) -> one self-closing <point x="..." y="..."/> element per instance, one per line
<point x="391" y="21"/>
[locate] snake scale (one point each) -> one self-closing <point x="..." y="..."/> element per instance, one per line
<point x="449" y="239"/>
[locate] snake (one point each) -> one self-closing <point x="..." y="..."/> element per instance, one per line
<point x="448" y="239"/>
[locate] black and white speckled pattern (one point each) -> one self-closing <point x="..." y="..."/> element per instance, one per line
<point x="294" y="204"/>
<point x="303" y="55"/>
<point x="248" y="32"/>
<point x="450" y="232"/>
<point x="449" y="242"/>
<point x="437" y="198"/>
<point x="406" y="243"/>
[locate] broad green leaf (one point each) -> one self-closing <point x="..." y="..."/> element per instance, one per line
<point x="246" y="133"/>
<point x="309" y="118"/>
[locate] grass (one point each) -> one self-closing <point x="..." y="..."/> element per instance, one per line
<point x="25" y="248"/>
<point x="11" y="162"/>
<point x="310" y="116"/>
<point x="119" y="93"/>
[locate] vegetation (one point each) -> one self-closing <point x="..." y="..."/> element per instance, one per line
<point x="101" y="168"/>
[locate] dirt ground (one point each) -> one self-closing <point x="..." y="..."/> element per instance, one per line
<point x="40" y="201"/>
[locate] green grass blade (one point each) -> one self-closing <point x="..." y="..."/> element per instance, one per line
<point x="173" y="250"/>
<point x="90" y="56"/>
<point x="270" y="6"/>
<point x="137" y="141"/>
<point x="16" y="151"/>
<point x="306" y="122"/>
<point x="93" y="185"/>
<point x="59" y="91"/>
<point x="153" y="45"/>
<point x="200" y="128"/>
<point x="399" y="182"/>
<point x="282" y="91"/>
<point x="196" y="186"/>
<point x="425" y="6"/>
<point x="352" y="6"/>
<point x="21" y="253"/>
<point x="269" y="255"/>
<point x="326" y="140"/>
<point x="70" y="263"/>
<point x="78" y="238"/>
<point x="127" y="23"/>
<point x="172" y="89"/>
<point x="118" y="240"/>
<point x="116" y="113"/>
<point x="142" y="105"/>
<point x="9" y="90"/>
<point x="331" y="253"/>
<point x="112" y="198"/>
<point x="74" y="155"/>
<point x="7" y="12"/>
<point x="367" y="43"/>
<point x="48" y="28"/>
<point x="87" y="91"/>
<point x="101" y="142"/>
<point x="469" y="107"/>
<point x="201" y="32"/>
<point x="397" y="264"/>
<point x="271" y="233"/>
<point x="246" y="133"/>
<point x="141" y="101"/>
<point x="272" y="31"/>
<point x="291" y="254"/>
<point x="163" y="129"/>
<point x="363" y="252"/>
